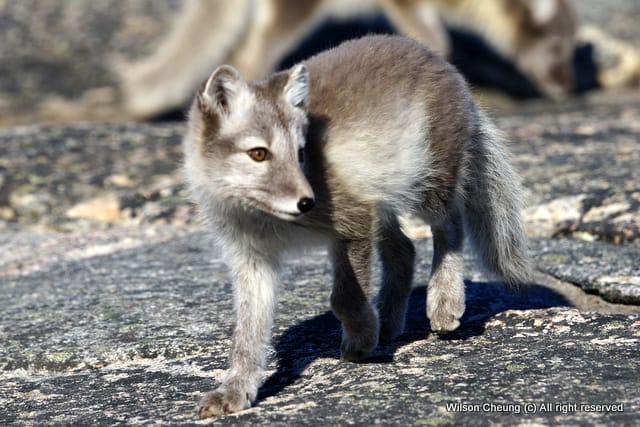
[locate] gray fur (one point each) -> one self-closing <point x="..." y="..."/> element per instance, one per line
<point x="386" y="126"/>
<point x="493" y="205"/>
<point x="350" y="297"/>
<point x="397" y="256"/>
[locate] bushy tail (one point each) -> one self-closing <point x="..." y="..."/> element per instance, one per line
<point x="492" y="207"/>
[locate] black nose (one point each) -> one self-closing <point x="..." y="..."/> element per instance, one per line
<point x="306" y="204"/>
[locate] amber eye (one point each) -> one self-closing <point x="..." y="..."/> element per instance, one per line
<point x="259" y="154"/>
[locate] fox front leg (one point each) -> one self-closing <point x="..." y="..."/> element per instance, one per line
<point x="255" y="282"/>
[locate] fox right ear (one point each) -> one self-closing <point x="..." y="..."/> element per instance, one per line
<point x="297" y="88"/>
<point x="224" y="90"/>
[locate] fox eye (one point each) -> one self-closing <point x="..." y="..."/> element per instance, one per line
<point x="259" y="154"/>
<point x="301" y="155"/>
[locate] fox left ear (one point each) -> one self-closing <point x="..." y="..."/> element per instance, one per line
<point x="296" y="90"/>
<point x="224" y="90"/>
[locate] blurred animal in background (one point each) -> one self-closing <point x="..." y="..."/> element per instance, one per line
<point x="536" y="36"/>
<point x="617" y="63"/>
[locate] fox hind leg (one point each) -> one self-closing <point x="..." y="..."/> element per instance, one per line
<point x="445" y="291"/>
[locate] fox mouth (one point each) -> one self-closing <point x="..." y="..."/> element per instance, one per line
<point x="285" y="215"/>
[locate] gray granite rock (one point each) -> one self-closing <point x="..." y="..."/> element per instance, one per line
<point x="57" y="56"/>
<point x="128" y="320"/>
<point x="578" y="160"/>
<point x="62" y="175"/>
<point x="134" y="335"/>
<point x="523" y="362"/>
<point x="612" y="272"/>
<point x="581" y="176"/>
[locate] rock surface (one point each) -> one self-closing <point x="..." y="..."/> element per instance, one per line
<point x="128" y="320"/>
<point x="578" y="162"/>
<point x="133" y="335"/>
<point x="60" y="176"/>
<point x="609" y="271"/>
<point x="57" y="57"/>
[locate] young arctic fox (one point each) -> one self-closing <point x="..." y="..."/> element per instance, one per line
<point x="332" y="151"/>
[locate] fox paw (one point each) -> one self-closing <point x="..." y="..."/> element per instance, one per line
<point x="444" y="322"/>
<point x="353" y="350"/>
<point x="390" y="328"/>
<point x="356" y="346"/>
<point x="222" y="402"/>
<point x="444" y="311"/>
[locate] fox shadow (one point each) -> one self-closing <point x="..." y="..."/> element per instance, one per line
<point x="320" y="336"/>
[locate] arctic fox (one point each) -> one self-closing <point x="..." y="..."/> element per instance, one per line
<point x="332" y="151"/>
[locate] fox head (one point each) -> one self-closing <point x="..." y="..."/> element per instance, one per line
<point x="544" y="42"/>
<point x="246" y="140"/>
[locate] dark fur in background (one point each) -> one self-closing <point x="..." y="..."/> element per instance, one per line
<point x="477" y="61"/>
<point x="481" y="65"/>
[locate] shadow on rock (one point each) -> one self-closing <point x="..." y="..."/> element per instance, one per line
<point x="319" y="337"/>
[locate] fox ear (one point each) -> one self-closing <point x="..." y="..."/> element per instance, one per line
<point x="223" y="89"/>
<point x="296" y="90"/>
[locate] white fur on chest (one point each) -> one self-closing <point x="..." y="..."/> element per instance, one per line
<point x="381" y="159"/>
